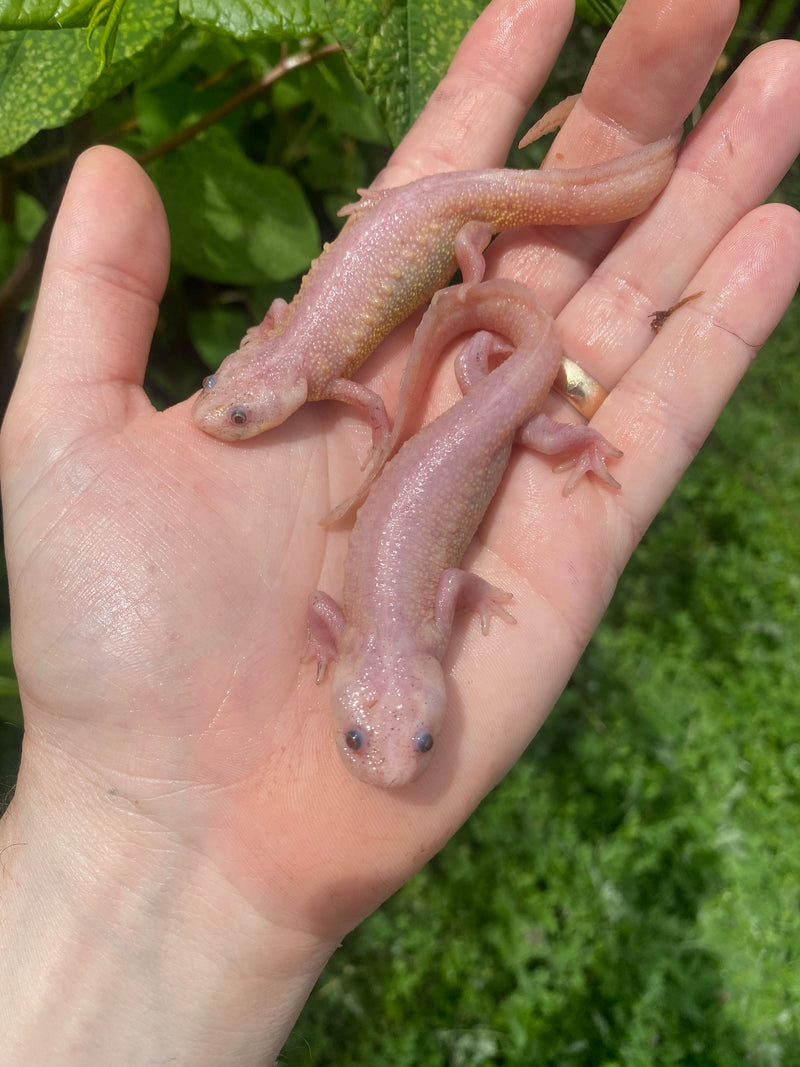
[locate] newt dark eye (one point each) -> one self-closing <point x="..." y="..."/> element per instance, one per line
<point x="209" y="381"/>
<point x="424" y="742"/>
<point x="354" y="739"/>
<point x="238" y="416"/>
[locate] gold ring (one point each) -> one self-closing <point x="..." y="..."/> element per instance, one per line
<point x="579" y="388"/>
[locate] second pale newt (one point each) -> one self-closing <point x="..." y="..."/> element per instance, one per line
<point x="402" y="575"/>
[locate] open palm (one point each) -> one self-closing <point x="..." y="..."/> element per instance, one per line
<point x="159" y="577"/>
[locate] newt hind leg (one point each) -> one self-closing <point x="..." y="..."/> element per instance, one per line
<point x="586" y="449"/>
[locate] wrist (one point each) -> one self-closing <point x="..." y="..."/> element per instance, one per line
<point x="118" y="946"/>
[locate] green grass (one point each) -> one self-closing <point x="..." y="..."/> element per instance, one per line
<point x="630" y="894"/>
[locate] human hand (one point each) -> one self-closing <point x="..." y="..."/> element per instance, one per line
<point x="159" y="577"/>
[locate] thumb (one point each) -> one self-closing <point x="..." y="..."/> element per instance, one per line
<point x="104" y="275"/>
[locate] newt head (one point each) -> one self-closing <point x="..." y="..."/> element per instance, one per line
<point x="387" y="718"/>
<point x="249" y="394"/>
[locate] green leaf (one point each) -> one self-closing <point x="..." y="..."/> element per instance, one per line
<point x="340" y="97"/>
<point x="8" y="686"/>
<point x="28" y="217"/>
<point x="248" y="19"/>
<point x="215" y="332"/>
<point x="231" y="220"/>
<point x="10" y="710"/>
<point x="42" y="77"/>
<point x="44" y="14"/>
<point x="599" y="12"/>
<point x="48" y="77"/>
<point x="400" y="49"/>
<point x="47" y="15"/>
<point x="106" y="14"/>
<point x="159" y="44"/>
<point x="8" y="249"/>
<point x="161" y="110"/>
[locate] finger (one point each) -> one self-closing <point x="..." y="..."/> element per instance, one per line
<point x="650" y="71"/>
<point x="646" y="78"/>
<point x="733" y="160"/>
<point x="104" y="275"/>
<point x="665" y="406"/>
<point x="499" y="68"/>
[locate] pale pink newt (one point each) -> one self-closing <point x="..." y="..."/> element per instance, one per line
<point x="399" y="247"/>
<point x="402" y="580"/>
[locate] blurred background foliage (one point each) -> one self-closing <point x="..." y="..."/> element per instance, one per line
<point x="630" y="894"/>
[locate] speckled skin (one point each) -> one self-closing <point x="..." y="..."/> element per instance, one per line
<point x="398" y="248"/>
<point x="402" y="581"/>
